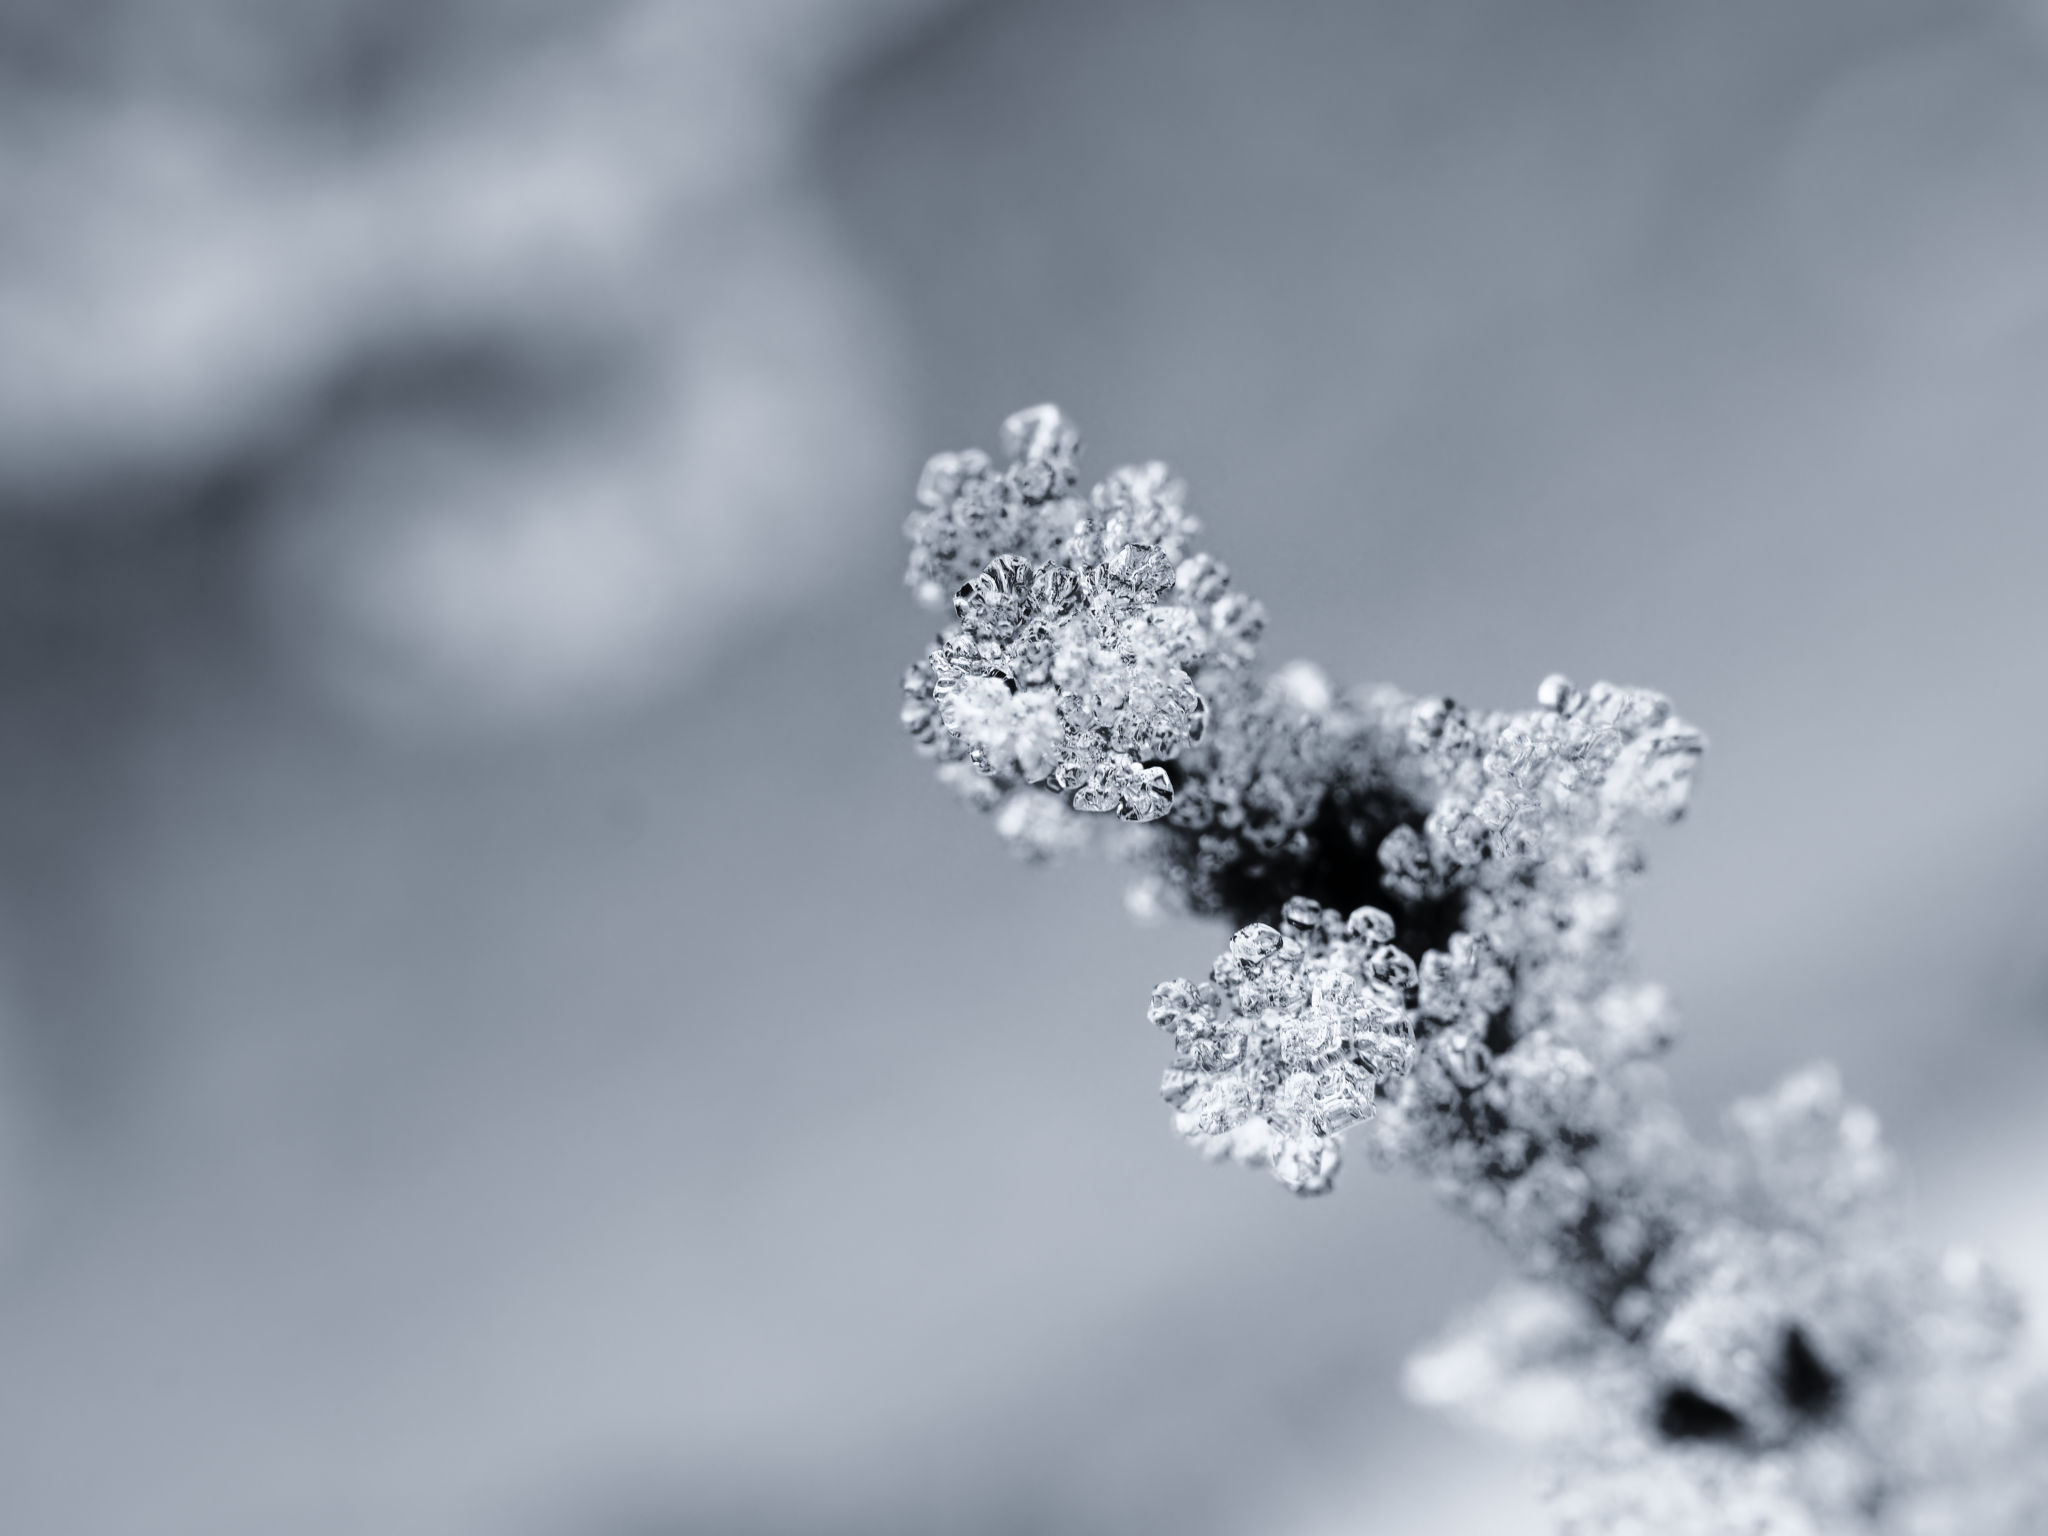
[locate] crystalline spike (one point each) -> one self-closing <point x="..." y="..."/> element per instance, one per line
<point x="1306" y="1164"/>
<point x="1344" y="1095"/>
<point x="1301" y="912"/>
<point x="1202" y="579"/>
<point x="1240" y="620"/>
<point x="1216" y="1105"/>
<point x="1101" y="791"/>
<point x="1140" y="568"/>
<point x="1467" y="1059"/>
<point x="1173" y="1001"/>
<point x="945" y="473"/>
<point x="1556" y="692"/>
<point x="1055" y="591"/>
<point x="1406" y="866"/>
<point x="1304" y="685"/>
<point x="1146" y="795"/>
<point x="1393" y="967"/>
<point x="1371" y="925"/>
<point x="1307" y="1038"/>
<point x="996" y="602"/>
<point x="1041" y="432"/>
<point x="1254" y="945"/>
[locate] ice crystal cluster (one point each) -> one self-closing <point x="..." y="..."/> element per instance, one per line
<point x="1429" y="956"/>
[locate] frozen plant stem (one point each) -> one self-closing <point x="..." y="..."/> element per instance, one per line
<point x="1430" y="956"/>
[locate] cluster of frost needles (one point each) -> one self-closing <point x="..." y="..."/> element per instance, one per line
<point x="1430" y="958"/>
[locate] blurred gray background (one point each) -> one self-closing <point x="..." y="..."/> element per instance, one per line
<point x="498" y="1032"/>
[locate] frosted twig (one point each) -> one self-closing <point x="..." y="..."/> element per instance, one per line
<point x="1430" y="954"/>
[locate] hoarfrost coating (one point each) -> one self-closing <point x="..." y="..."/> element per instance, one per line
<point x="1430" y="955"/>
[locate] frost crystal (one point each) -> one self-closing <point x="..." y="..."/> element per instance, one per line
<point x="1082" y="625"/>
<point x="1290" y="1039"/>
<point x="1430" y="938"/>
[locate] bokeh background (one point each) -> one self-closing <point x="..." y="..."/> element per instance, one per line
<point x="498" y="1033"/>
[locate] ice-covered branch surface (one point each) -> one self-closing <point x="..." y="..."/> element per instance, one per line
<point x="1431" y="954"/>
